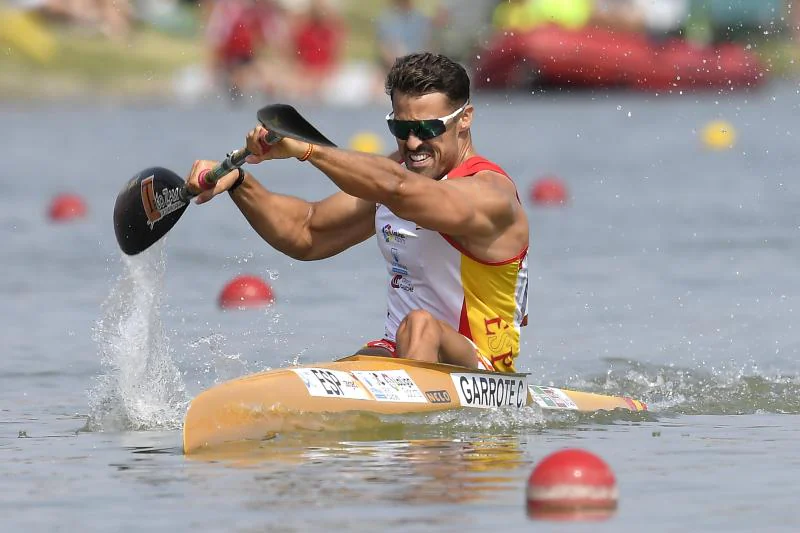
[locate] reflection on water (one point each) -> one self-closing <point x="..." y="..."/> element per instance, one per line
<point x="408" y="471"/>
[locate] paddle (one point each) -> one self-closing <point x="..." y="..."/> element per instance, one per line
<point x="153" y="200"/>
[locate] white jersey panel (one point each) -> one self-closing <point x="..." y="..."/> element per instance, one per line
<point x="423" y="271"/>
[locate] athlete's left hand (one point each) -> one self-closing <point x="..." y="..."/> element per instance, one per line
<point x="260" y="150"/>
<point x="202" y="166"/>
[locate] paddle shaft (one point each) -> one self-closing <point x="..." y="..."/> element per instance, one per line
<point x="233" y="161"/>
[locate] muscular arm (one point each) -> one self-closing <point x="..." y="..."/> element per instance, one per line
<point x="305" y="230"/>
<point x="481" y="206"/>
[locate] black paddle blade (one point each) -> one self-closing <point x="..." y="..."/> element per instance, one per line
<point x="147" y="208"/>
<point x="284" y="120"/>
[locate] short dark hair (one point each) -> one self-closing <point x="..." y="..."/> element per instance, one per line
<point x="424" y="73"/>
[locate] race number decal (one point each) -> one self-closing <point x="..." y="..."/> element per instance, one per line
<point x="491" y="390"/>
<point x="551" y="398"/>
<point x="330" y="383"/>
<point x="391" y="386"/>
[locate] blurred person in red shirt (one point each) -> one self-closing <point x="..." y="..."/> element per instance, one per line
<point x="238" y="31"/>
<point x="317" y="38"/>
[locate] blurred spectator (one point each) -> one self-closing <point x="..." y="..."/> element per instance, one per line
<point x="237" y="32"/>
<point x="402" y="29"/>
<point x="112" y="18"/>
<point x="317" y="38"/>
<point x="462" y="28"/>
<point x="81" y="12"/>
<point x="656" y="18"/>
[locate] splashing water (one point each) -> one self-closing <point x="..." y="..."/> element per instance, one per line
<point x="139" y="387"/>
<point x="722" y="390"/>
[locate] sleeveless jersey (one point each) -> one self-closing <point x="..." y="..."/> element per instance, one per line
<point x="484" y="301"/>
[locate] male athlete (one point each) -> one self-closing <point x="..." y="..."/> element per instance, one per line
<point x="449" y="223"/>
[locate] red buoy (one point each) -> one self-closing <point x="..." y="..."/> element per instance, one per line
<point x="66" y="207"/>
<point x="244" y="292"/>
<point x="572" y="484"/>
<point x="549" y="191"/>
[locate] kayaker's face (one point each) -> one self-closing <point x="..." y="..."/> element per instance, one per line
<point x="431" y="157"/>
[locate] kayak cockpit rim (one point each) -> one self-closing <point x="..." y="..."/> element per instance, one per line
<point x="444" y="367"/>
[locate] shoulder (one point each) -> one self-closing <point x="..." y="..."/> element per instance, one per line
<point x="496" y="180"/>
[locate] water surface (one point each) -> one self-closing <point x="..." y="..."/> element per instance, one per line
<point x="670" y="276"/>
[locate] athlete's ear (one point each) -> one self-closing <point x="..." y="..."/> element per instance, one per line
<point x="465" y="122"/>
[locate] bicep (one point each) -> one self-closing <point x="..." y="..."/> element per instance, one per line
<point x="337" y="223"/>
<point x="475" y="206"/>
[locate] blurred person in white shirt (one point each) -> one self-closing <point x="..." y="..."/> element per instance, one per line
<point x="657" y="18"/>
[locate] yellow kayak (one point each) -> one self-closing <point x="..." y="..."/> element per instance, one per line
<point x="261" y="405"/>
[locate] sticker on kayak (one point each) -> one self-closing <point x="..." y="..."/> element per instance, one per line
<point x="550" y="398"/>
<point x="391" y="386"/>
<point x="331" y="383"/>
<point x="489" y="390"/>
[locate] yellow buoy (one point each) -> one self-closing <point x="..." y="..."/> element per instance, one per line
<point x="719" y="135"/>
<point x="366" y="142"/>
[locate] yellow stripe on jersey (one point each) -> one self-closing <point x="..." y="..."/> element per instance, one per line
<point x="489" y="299"/>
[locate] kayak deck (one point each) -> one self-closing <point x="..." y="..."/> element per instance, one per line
<point x="260" y="405"/>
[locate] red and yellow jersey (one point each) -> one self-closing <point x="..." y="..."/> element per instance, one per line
<point x="484" y="301"/>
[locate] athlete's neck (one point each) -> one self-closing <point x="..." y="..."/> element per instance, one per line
<point x="465" y="150"/>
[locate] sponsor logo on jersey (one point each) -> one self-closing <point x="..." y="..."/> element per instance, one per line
<point x="397" y="266"/>
<point x="390" y="235"/>
<point x="399" y="282"/>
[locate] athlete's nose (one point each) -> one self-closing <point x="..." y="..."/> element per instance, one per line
<point x="412" y="143"/>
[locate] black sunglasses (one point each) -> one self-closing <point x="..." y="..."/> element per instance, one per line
<point x="422" y="129"/>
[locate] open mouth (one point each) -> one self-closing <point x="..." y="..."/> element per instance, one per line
<point x="418" y="159"/>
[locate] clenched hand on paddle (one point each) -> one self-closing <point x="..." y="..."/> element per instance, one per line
<point x="155" y="198"/>
<point x="258" y="150"/>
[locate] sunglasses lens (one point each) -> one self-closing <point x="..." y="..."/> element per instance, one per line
<point x="428" y="129"/>
<point x="399" y="128"/>
<point x="422" y="129"/>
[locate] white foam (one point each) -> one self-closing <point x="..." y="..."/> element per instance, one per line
<point x="139" y="386"/>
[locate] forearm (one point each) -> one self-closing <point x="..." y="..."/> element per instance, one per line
<point x="282" y="221"/>
<point x="367" y="176"/>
